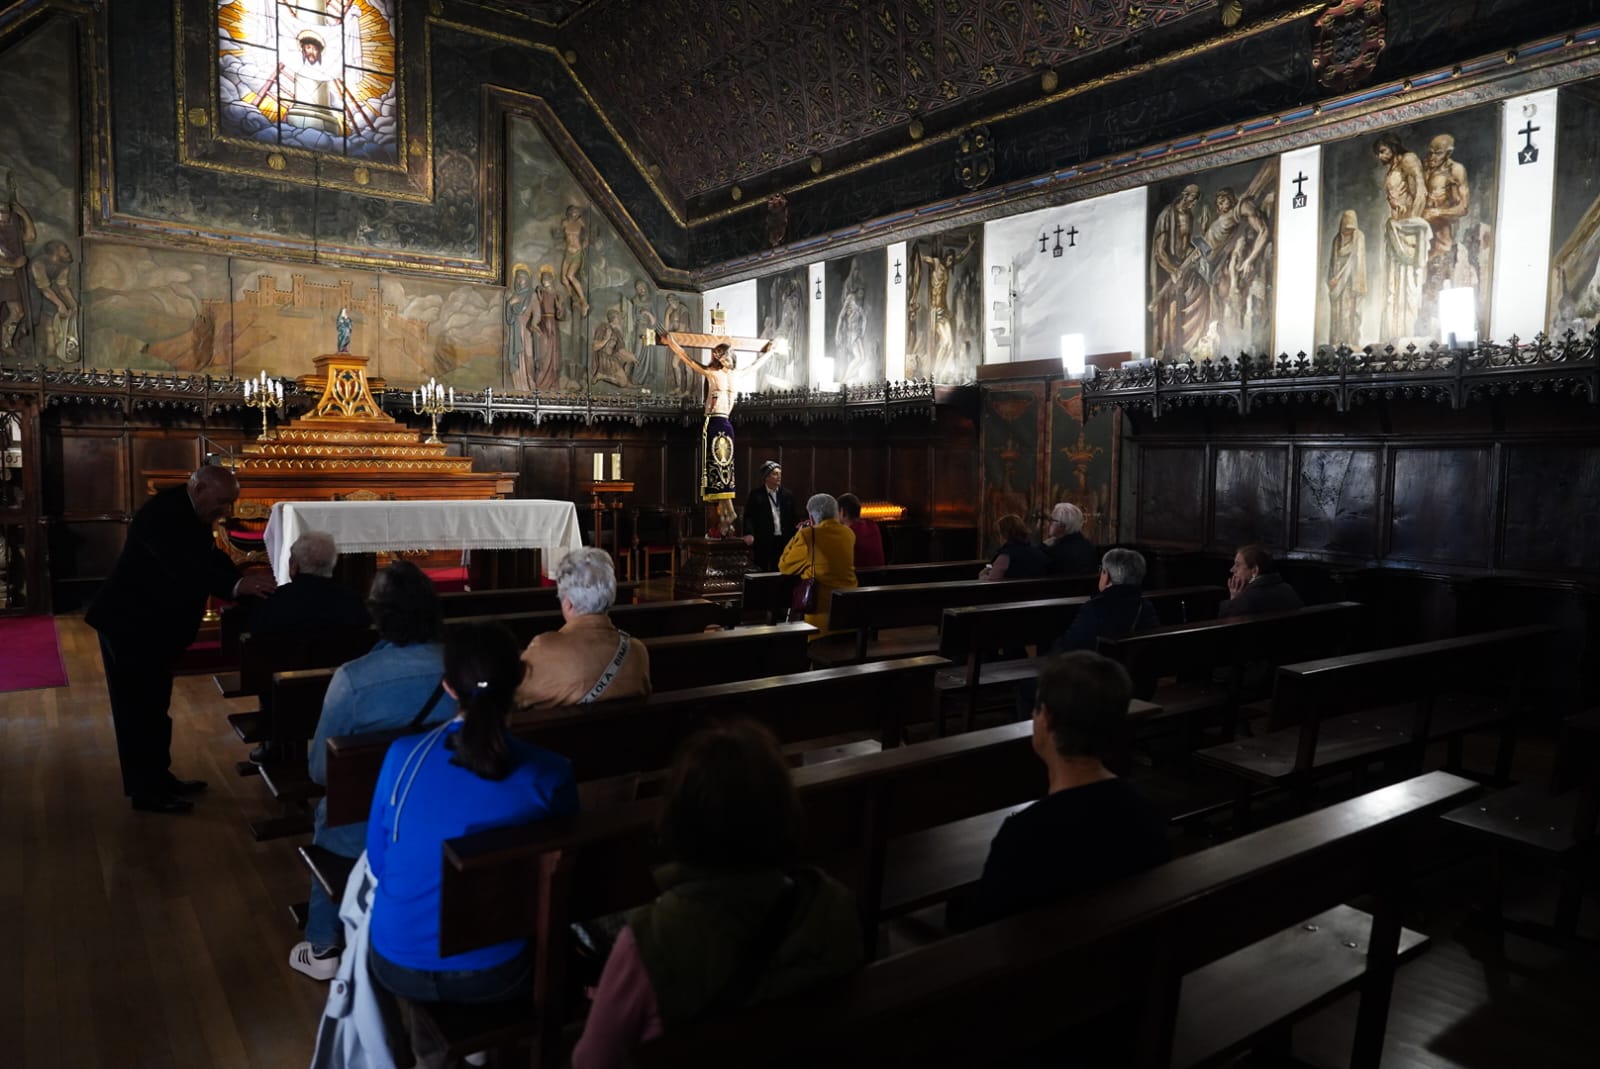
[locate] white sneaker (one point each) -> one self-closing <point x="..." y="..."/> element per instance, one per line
<point x="480" y="1057"/>
<point x="302" y="960"/>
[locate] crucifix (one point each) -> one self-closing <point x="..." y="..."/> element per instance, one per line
<point x="1528" y="153"/>
<point x="1057" y="250"/>
<point x="717" y="464"/>
<point x="1300" y="181"/>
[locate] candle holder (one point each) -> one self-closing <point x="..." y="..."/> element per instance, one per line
<point x="433" y="401"/>
<point x="263" y="392"/>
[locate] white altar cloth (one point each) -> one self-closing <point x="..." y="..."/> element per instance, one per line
<point x="373" y="526"/>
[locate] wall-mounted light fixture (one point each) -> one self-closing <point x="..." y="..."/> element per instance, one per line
<point x="1072" y="355"/>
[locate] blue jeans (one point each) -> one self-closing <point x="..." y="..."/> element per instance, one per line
<point x="498" y="983"/>
<point x="323" y="929"/>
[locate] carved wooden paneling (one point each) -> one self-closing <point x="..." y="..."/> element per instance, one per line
<point x="831" y="468"/>
<point x="957" y="485"/>
<point x="1171" y="487"/>
<point x="868" y="479"/>
<point x="547" y="471"/>
<point x="100" y="484"/>
<point x="1439" y="506"/>
<point x="1338" y="501"/>
<point x="911" y="479"/>
<point x="1251" y="499"/>
<point x="1552" y="510"/>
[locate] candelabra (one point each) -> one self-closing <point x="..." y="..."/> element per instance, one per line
<point x="433" y="401"/>
<point x="263" y="392"/>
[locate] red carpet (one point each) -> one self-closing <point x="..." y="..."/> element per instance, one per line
<point x="30" y="653"/>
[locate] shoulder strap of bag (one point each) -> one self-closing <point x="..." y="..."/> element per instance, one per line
<point x="768" y="938"/>
<point x="624" y="644"/>
<point x="427" y="707"/>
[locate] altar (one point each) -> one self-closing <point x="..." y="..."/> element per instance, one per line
<point x="402" y="526"/>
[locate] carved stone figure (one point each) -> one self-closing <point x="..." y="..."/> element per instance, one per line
<point x="676" y="319"/>
<point x="341" y="327"/>
<point x="612" y="360"/>
<point x="546" y="332"/>
<point x="50" y="293"/>
<point x="16" y="234"/>
<point x="519" y="329"/>
<point x="575" y="232"/>
<point x="646" y="370"/>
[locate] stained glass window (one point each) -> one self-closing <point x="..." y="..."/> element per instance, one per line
<point x="317" y="75"/>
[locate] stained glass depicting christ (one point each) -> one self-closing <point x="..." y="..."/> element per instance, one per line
<point x="317" y="75"/>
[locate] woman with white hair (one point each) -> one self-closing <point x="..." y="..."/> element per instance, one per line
<point x="1065" y="547"/>
<point x="588" y="660"/>
<point x="824" y="550"/>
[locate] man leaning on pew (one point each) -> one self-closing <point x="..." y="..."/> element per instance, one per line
<point x="1092" y="827"/>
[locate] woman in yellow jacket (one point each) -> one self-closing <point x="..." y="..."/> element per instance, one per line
<point x="826" y="551"/>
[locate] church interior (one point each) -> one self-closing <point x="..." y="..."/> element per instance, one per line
<point x="1318" y="277"/>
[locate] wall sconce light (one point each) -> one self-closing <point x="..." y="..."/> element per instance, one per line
<point x="1458" y="317"/>
<point x="1072" y="355"/>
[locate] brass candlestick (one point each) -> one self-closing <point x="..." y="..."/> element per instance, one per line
<point x="433" y="400"/>
<point x="263" y="392"/>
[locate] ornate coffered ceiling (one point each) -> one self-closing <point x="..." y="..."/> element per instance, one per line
<point x="719" y="94"/>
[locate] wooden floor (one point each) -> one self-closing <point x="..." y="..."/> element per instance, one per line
<point x="132" y="939"/>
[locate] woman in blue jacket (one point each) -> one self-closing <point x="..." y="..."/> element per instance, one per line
<point x="465" y="776"/>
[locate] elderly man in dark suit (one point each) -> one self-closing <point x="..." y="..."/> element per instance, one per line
<point x="147" y="614"/>
<point x="311" y="600"/>
<point x="769" y="518"/>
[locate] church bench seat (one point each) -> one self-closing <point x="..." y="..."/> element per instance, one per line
<point x="969" y="634"/>
<point x="769" y="593"/>
<point x="1209" y="954"/>
<point x="869" y="611"/>
<point x="459" y="604"/>
<point x="1342" y="713"/>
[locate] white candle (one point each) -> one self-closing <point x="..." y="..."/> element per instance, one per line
<point x="599" y="467"/>
<point x="616" y="467"/>
<point x="452" y="397"/>
<point x="247" y="385"/>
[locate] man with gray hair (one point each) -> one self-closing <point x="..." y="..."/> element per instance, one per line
<point x="1117" y="611"/>
<point x="312" y="600"/>
<point x="588" y="660"/>
<point x="1065" y="547"/>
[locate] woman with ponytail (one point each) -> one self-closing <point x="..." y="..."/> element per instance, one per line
<point x="464" y="776"/>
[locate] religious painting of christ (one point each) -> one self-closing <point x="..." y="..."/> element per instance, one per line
<point x="314" y="75"/>
<point x="1407" y="212"/>
<point x="944" y="306"/>
<point x="1574" y="294"/>
<point x="783" y="312"/>
<point x="1213" y="262"/>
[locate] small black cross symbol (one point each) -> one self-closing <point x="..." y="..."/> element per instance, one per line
<point x="1072" y="237"/>
<point x="897" y="272"/>
<point x="1299" y="190"/>
<point x="1528" y="153"/>
<point x="1057" y="250"/>
<point x="1044" y="239"/>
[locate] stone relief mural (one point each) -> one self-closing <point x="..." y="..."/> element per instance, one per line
<point x="577" y="303"/>
<point x="40" y="320"/>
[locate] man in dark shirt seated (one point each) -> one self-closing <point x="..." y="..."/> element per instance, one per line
<point x="311" y="600"/>
<point x="1254" y="587"/>
<point x="1092" y="828"/>
<point x="1117" y="611"/>
<point x="1064" y="545"/>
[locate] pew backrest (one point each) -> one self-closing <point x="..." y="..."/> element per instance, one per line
<point x="769" y="592"/>
<point x="643" y="620"/>
<point x="969" y="629"/>
<point x="458" y="604"/>
<point x="914" y="604"/>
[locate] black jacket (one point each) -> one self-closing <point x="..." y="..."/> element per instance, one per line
<point x="1116" y="612"/>
<point x="1266" y="593"/>
<point x="308" y="603"/>
<point x="1072" y="554"/>
<point x="758" y="514"/>
<point x="157" y="590"/>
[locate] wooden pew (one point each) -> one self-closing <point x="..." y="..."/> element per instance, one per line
<point x="624" y="737"/>
<point x="647" y="619"/>
<point x="458" y="604"/>
<point x="1206" y="955"/>
<point x="1340" y="714"/>
<point x="1194" y="652"/>
<point x="770" y="592"/>
<point x="261" y="656"/>
<point x="867" y="609"/>
<point x="970" y="633"/>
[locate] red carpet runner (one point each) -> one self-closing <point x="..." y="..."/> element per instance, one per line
<point x="30" y="653"/>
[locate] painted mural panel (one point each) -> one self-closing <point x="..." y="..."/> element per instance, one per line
<point x="782" y="311"/>
<point x="1212" y="262"/>
<point x="1083" y="460"/>
<point x="854" y="303"/>
<point x="40" y="320"/>
<point x="1575" y="230"/>
<point x="1407" y="213"/>
<point x="944" y="306"/>
<point x="578" y="302"/>
<point x="452" y="332"/>
<point x="317" y="75"/>
<point x="1011" y="426"/>
<point x="161" y="310"/>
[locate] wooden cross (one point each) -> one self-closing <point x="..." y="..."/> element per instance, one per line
<point x="688" y="340"/>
